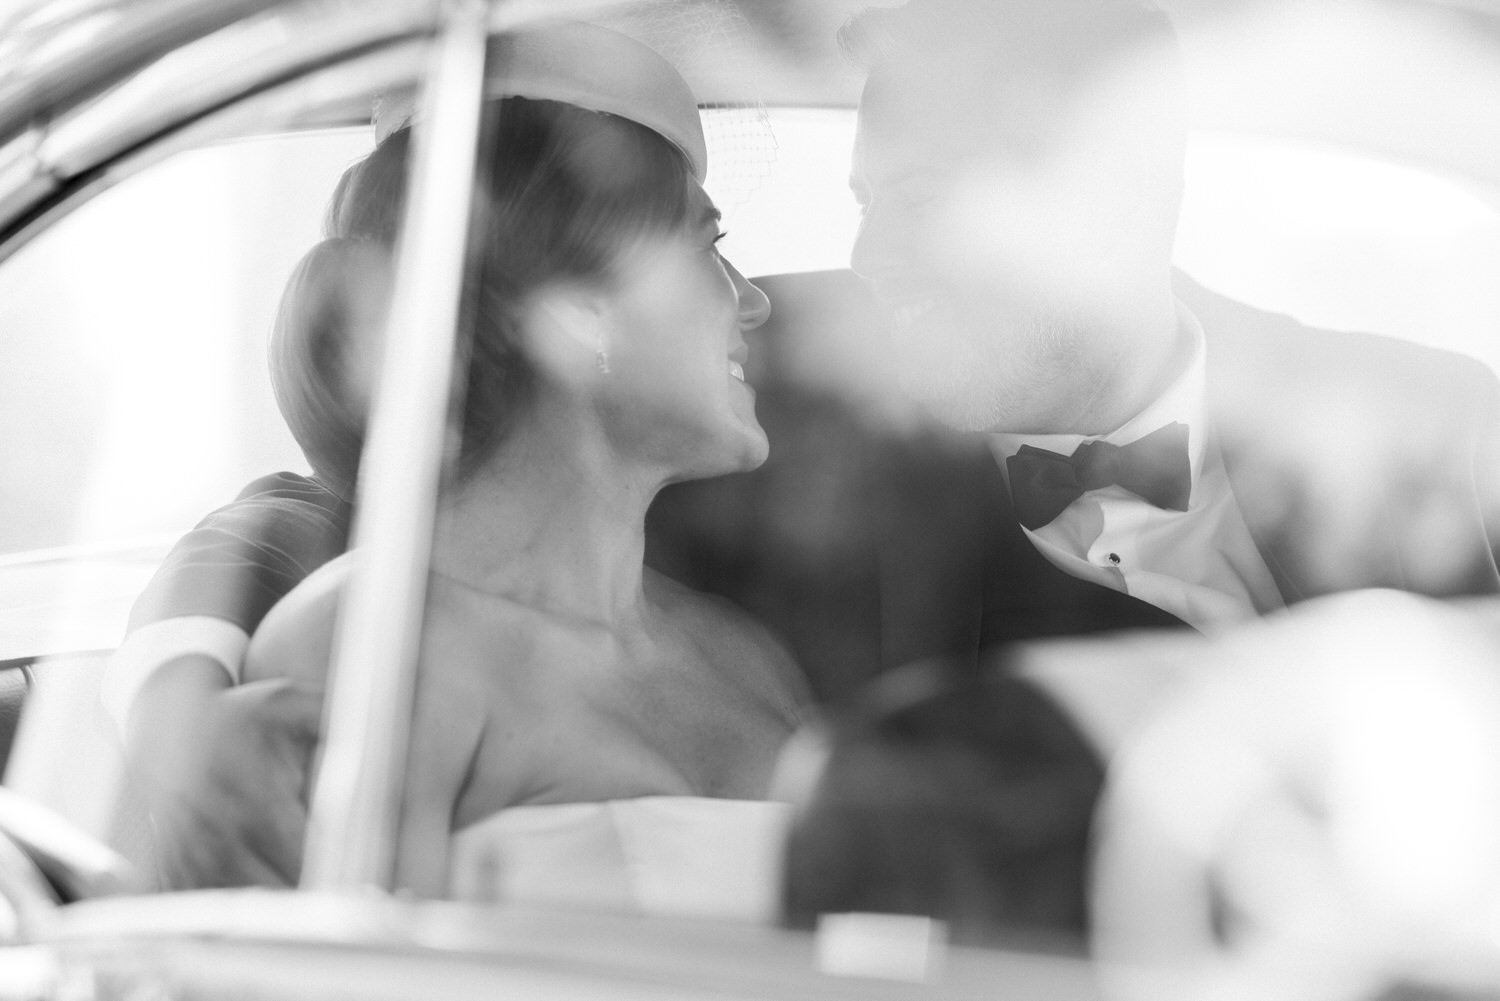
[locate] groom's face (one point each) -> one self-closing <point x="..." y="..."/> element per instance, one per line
<point x="970" y="233"/>
<point x="1007" y="213"/>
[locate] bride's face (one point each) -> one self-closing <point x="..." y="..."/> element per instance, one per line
<point x="675" y="346"/>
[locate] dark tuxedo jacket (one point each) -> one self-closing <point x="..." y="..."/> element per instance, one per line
<point x="868" y="541"/>
<point x="1357" y="460"/>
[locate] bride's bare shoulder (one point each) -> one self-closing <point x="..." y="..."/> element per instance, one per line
<point x="296" y="636"/>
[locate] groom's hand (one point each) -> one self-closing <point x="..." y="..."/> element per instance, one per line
<point x="230" y="807"/>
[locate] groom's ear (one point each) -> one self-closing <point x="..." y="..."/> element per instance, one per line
<point x="564" y="332"/>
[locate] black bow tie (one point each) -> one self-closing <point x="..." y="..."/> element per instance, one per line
<point x="1154" y="468"/>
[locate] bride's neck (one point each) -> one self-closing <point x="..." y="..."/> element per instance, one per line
<point x="555" y="521"/>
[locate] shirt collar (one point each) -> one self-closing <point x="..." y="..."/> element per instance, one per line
<point x="1182" y="401"/>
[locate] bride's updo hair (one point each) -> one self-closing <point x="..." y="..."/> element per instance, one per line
<point x="562" y="194"/>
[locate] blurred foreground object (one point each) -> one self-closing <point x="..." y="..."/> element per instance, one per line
<point x="950" y="795"/>
<point x="1314" y="817"/>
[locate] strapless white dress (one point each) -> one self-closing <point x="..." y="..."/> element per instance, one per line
<point x="666" y="856"/>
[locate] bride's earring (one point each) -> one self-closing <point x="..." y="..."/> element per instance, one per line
<point x="601" y="357"/>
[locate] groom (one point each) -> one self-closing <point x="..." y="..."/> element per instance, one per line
<point x="1020" y="167"/>
<point x="1126" y="449"/>
<point x="1144" y="452"/>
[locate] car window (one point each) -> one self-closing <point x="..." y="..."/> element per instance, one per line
<point x="795" y="212"/>
<point x="1344" y="238"/>
<point x="136" y="396"/>
<point x="136" y="393"/>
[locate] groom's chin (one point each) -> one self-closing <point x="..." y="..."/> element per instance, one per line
<point x="952" y="404"/>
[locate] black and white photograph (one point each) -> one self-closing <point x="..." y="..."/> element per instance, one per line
<point x="609" y="500"/>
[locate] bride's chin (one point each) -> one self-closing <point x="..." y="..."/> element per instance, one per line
<point x="756" y="452"/>
<point x="756" y="445"/>
<point x="741" y="449"/>
<point x="748" y="451"/>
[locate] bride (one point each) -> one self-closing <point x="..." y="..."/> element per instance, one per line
<point x="576" y="712"/>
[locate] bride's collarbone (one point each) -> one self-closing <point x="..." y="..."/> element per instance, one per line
<point x="684" y="672"/>
<point x="621" y="734"/>
<point x="664" y="640"/>
<point x="661" y="692"/>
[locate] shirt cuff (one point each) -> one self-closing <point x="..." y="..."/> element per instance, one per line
<point x="150" y="647"/>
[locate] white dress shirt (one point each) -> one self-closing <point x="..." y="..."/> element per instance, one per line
<point x="1202" y="564"/>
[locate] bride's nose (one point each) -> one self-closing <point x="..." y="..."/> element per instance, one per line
<point x="755" y="306"/>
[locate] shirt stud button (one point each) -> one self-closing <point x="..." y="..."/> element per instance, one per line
<point x="1114" y="558"/>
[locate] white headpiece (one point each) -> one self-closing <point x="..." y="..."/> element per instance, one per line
<point x="589" y="67"/>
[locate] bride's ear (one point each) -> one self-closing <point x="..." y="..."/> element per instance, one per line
<point x="564" y="333"/>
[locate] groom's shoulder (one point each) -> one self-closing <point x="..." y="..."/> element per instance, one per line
<point x="1265" y="355"/>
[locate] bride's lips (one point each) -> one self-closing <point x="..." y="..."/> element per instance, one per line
<point x="737" y="359"/>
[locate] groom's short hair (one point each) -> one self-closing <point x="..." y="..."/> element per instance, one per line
<point x="1065" y="37"/>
